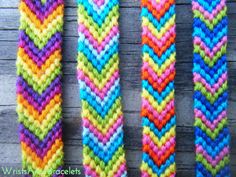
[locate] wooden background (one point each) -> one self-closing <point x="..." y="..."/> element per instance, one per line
<point x="130" y="63"/>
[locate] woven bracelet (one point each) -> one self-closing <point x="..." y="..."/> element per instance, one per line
<point x="158" y="72"/>
<point x="99" y="81"/>
<point x="210" y="88"/>
<point x="39" y="86"/>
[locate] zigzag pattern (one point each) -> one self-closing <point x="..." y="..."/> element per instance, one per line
<point x="98" y="75"/>
<point x="39" y="86"/>
<point x="210" y="88"/>
<point x="158" y="72"/>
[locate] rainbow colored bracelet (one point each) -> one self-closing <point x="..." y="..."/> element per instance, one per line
<point x="39" y="86"/>
<point x="158" y="73"/>
<point x="99" y="81"/>
<point x="212" y="136"/>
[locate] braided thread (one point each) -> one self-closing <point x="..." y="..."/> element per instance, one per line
<point x="158" y="72"/>
<point x="39" y="86"/>
<point x="98" y="75"/>
<point x="210" y="88"/>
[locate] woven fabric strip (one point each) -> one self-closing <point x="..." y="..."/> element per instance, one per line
<point x="210" y="88"/>
<point x="99" y="81"/>
<point x="158" y="73"/>
<point x="39" y="86"/>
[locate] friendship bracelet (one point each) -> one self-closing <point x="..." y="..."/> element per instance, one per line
<point x="39" y="86"/>
<point x="99" y="81"/>
<point x="212" y="135"/>
<point x="158" y="72"/>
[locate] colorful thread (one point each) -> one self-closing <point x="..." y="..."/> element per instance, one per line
<point x="98" y="75"/>
<point x="39" y="86"/>
<point x="158" y="73"/>
<point x="210" y="88"/>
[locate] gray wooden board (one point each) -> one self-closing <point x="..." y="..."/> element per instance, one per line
<point x="130" y="64"/>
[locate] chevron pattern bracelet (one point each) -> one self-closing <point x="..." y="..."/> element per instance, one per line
<point x="98" y="75"/>
<point x="39" y="86"/>
<point x="158" y="72"/>
<point x="210" y="88"/>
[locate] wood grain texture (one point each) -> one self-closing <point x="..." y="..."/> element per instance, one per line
<point x="130" y="63"/>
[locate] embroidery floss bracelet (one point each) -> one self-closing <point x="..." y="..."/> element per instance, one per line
<point x="98" y="76"/>
<point x="39" y="86"/>
<point x="158" y="72"/>
<point x="210" y="88"/>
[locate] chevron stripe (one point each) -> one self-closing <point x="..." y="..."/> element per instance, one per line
<point x="211" y="145"/>
<point x="41" y="148"/>
<point x="41" y="77"/>
<point x="100" y="14"/>
<point x="39" y="56"/>
<point x="100" y="135"/>
<point x="98" y="47"/>
<point x="39" y="102"/>
<point x="39" y="86"/>
<point x="210" y="88"/>
<point x="99" y="78"/>
<point x="99" y="82"/>
<point x="149" y="168"/>
<point x="114" y="166"/>
<point x="158" y="72"/>
<point x="43" y="10"/>
<point x="206" y="71"/>
<point x="205" y="122"/>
